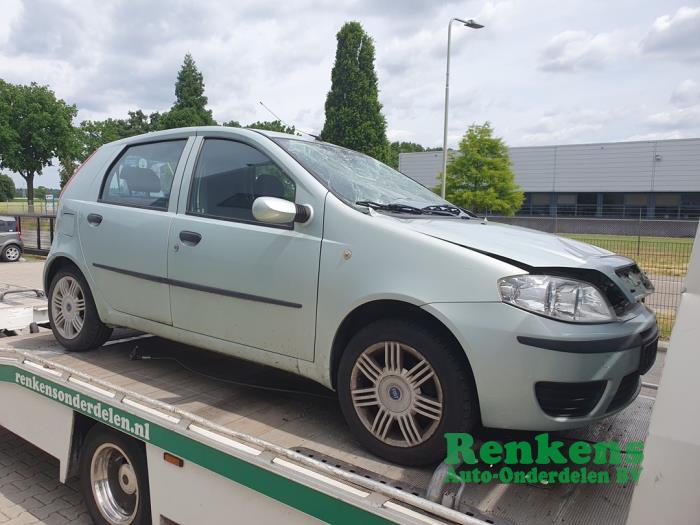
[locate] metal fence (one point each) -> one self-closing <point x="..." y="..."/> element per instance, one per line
<point x="618" y="211"/>
<point x="37" y="232"/>
<point x="661" y="248"/>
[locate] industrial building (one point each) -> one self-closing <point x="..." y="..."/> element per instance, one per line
<point x="644" y="179"/>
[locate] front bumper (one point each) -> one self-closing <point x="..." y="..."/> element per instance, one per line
<point x="583" y="373"/>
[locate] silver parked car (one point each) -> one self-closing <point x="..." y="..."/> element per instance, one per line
<point x="325" y="262"/>
<point x="11" y="244"/>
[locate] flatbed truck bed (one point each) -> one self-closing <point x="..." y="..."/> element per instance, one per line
<point x="22" y="308"/>
<point x="254" y="436"/>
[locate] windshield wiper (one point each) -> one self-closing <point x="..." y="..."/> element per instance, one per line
<point x="395" y="207"/>
<point x="442" y="209"/>
<point x="392" y="207"/>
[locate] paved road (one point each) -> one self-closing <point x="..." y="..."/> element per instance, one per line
<point x="29" y="487"/>
<point x="24" y="273"/>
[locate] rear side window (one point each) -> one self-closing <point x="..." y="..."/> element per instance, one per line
<point x="143" y="175"/>
<point x="7" y="225"/>
<point x="230" y="176"/>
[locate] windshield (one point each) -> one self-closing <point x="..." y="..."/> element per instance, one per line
<point x="358" y="178"/>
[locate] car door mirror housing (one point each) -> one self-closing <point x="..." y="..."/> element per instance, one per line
<point x="279" y="211"/>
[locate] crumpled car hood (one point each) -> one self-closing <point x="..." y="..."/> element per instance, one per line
<point x="529" y="247"/>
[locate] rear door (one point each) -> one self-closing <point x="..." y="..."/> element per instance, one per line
<point x="124" y="235"/>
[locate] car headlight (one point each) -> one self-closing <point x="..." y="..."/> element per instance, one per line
<point x="556" y="297"/>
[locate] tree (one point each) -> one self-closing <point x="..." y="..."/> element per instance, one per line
<point x="41" y="192"/>
<point x="481" y="178"/>
<point x="7" y="188"/>
<point x="353" y="113"/>
<point x="190" y="101"/>
<point x="231" y="124"/>
<point x="90" y="135"/>
<point x="273" y="125"/>
<point x="35" y="128"/>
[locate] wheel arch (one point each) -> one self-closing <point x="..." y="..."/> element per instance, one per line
<point x="54" y="265"/>
<point x="386" y="309"/>
<point x="81" y="426"/>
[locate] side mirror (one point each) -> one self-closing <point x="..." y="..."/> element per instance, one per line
<point x="279" y="211"/>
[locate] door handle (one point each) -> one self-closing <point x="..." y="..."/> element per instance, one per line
<point x="94" y="219"/>
<point x="190" y="238"/>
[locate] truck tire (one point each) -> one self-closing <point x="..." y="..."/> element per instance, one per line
<point x="73" y="314"/>
<point x="401" y="387"/>
<point x="114" y="478"/>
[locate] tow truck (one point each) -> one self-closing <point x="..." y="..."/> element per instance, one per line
<point x="225" y="440"/>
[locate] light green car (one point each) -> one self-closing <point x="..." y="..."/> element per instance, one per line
<point x="324" y="262"/>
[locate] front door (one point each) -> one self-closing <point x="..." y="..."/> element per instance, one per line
<point x="124" y="235"/>
<point x="232" y="277"/>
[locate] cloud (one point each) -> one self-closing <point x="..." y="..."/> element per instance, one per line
<point x="686" y="94"/>
<point x="659" y="135"/>
<point x="675" y="36"/>
<point x="581" y="50"/>
<point x="400" y="135"/>
<point x="688" y="117"/>
<point x="562" y="126"/>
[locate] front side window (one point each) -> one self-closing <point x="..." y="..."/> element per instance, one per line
<point x="143" y="175"/>
<point x="230" y="176"/>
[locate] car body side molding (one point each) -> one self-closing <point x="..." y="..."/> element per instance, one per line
<point x="197" y="287"/>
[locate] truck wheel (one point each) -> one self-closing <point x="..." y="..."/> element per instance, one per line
<point x="114" y="478"/>
<point x="72" y="312"/>
<point x="401" y="387"/>
<point x="11" y="253"/>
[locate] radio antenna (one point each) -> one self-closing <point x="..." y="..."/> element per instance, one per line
<point x="283" y="122"/>
<point x="272" y="112"/>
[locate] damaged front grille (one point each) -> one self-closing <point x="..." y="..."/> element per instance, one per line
<point x="635" y="280"/>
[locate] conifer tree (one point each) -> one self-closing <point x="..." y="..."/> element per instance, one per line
<point x="353" y="112"/>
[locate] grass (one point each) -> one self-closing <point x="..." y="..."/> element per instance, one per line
<point x="20" y="206"/>
<point x="656" y="255"/>
<point x="665" y="322"/>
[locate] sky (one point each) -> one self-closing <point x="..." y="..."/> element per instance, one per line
<point x="541" y="71"/>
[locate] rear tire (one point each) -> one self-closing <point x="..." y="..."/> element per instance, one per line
<point x="401" y="386"/>
<point x="73" y="314"/>
<point x="11" y="253"/>
<point x="114" y="478"/>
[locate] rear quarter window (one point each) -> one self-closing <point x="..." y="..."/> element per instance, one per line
<point x="142" y="176"/>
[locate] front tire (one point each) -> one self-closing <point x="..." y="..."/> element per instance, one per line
<point x="114" y="478"/>
<point x="401" y="387"/>
<point x="73" y="314"/>
<point x="11" y="253"/>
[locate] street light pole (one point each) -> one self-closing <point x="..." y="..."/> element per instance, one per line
<point x="473" y="25"/>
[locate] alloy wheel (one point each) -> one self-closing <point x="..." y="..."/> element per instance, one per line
<point x="396" y="394"/>
<point x="68" y="307"/>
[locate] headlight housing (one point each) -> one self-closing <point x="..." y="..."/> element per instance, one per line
<point x="556" y="297"/>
